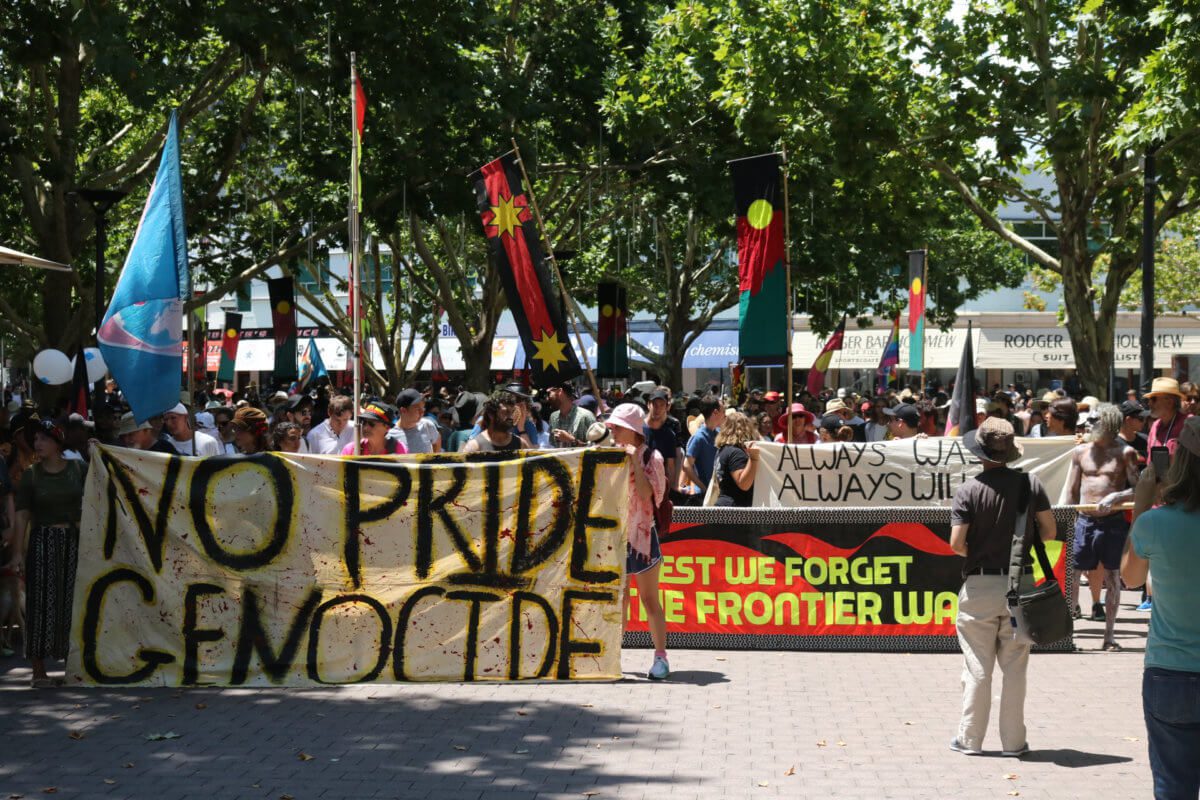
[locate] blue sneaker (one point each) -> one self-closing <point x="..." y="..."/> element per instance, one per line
<point x="660" y="669"/>
<point x="1146" y="605"/>
<point x="957" y="746"/>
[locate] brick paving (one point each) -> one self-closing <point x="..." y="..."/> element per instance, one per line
<point x="727" y="725"/>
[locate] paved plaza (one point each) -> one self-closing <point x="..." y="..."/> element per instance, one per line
<point x="727" y="725"/>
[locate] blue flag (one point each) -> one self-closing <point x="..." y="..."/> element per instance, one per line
<point x="141" y="336"/>
<point x="312" y="366"/>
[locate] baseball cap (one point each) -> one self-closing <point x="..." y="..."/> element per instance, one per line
<point x="179" y="408"/>
<point x="408" y="398"/>
<point x="1132" y="408"/>
<point x="297" y="400"/>
<point x="772" y="396"/>
<point x="660" y="394"/>
<point x="906" y="413"/>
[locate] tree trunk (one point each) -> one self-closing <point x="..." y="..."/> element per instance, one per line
<point x="1091" y="337"/>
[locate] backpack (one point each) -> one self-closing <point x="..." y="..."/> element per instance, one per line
<point x="662" y="511"/>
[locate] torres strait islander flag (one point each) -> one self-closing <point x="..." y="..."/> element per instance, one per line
<point x="230" y="336"/>
<point x="513" y="242"/>
<point x="762" y="310"/>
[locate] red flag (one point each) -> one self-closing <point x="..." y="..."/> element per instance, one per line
<point x="78" y="402"/>
<point x="816" y="375"/>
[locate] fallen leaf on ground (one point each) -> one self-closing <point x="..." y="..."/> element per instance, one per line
<point x="790" y="770"/>
<point x="1131" y="738"/>
<point x="305" y="757"/>
<point x="110" y="781"/>
<point x="588" y="705"/>
<point x="763" y="783"/>
<point x="201" y="706"/>
<point x="76" y="735"/>
<point x="127" y="765"/>
<point x="522" y="713"/>
<point x="717" y="706"/>
<point x="821" y="743"/>
<point x="841" y="743"/>
<point x="908" y="723"/>
<point x="720" y="659"/>
<point x="1011" y="776"/>
<point x="590" y="793"/>
<point x="158" y="737"/>
<point x="1014" y="793"/>
<point x="459" y="747"/>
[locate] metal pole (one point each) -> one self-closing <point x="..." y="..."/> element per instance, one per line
<point x="1149" y="187"/>
<point x="355" y="294"/>
<point x="787" y="271"/>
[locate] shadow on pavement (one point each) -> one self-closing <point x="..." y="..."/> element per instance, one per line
<point x="464" y="741"/>
<point x="1073" y="758"/>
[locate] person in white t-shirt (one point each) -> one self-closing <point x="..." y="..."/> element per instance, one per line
<point x="186" y="441"/>
<point x="337" y="430"/>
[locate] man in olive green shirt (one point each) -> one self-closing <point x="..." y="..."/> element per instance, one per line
<point x="570" y="423"/>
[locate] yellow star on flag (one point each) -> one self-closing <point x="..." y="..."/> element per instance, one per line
<point x="549" y="351"/>
<point x="506" y="217"/>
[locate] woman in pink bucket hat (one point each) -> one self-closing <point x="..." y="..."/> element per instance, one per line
<point x="643" y="555"/>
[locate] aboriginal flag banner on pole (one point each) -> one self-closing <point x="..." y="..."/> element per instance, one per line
<point x="916" y="310"/>
<point x="514" y="244"/>
<point x="231" y="334"/>
<point x="612" y="331"/>
<point x="283" y="320"/>
<point x="816" y="375"/>
<point x="762" y="278"/>
<point x="960" y="418"/>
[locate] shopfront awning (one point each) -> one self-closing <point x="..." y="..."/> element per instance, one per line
<point x="1050" y="348"/>
<point x="863" y="347"/>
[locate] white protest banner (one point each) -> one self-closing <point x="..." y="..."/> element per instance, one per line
<point x="290" y="570"/>
<point x="907" y="472"/>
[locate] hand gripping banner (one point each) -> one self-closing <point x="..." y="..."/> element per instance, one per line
<point x="307" y="570"/>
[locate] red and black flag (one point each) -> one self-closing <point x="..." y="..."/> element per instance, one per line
<point x="513" y="242"/>
<point x="231" y="333"/>
<point x="762" y="315"/>
<point x="612" y="331"/>
<point x="283" y="321"/>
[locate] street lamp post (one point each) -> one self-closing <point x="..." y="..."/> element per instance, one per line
<point x="1149" y="190"/>
<point x="100" y="201"/>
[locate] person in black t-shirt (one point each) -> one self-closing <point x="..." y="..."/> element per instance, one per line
<point x="737" y="460"/>
<point x="983" y="522"/>
<point x="1133" y="428"/>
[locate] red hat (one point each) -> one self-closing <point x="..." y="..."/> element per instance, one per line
<point x="797" y="408"/>
<point x="772" y="397"/>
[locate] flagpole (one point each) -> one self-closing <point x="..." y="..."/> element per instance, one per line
<point x="562" y="287"/>
<point x="787" y="272"/>
<point x="191" y="359"/>
<point x="925" y="289"/>
<point x="355" y="304"/>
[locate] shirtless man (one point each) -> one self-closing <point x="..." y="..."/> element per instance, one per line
<point x="1104" y="472"/>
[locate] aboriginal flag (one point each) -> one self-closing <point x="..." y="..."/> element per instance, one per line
<point x="816" y="375"/>
<point x="513" y="244"/>
<point x="283" y="320"/>
<point x="762" y="317"/>
<point x="916" y="310"/>
<point x="231" y="333"/>
<point x="612" y="344"/>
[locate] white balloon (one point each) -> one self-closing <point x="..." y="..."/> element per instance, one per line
<point x="52" y="367"/>
<point x="96" y="368"/>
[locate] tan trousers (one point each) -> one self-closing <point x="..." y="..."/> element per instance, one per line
<point x="986" y="636"/>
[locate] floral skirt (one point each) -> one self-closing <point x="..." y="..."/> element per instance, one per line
<point x="50" y="590"/>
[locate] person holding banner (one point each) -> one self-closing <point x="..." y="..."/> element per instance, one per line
<point x="737" y="461"/>
<point x="643" y="554"/>
<point x="983" y="522"/>
<point x="375" y="419"/>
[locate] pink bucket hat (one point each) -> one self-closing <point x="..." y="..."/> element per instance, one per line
<point x="629" y="416"/>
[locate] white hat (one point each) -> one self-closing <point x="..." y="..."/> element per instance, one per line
<point x="205" y="421"/>
<point x="179" y="408"/>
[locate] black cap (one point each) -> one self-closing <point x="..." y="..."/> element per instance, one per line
<point x="660" y="394"/>
<point x="297" y="400"/>
<point x="1132" y="408"/>
<point x="906" y="413"/>
<point x="517" y="388"/>
<point x="409" y="397"/>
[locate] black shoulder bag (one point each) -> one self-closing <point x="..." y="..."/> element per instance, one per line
<point x="1039" y="615"/>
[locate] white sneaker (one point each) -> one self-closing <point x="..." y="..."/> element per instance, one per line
<point x="660" y="669"/>
<point x="958" y="747"/>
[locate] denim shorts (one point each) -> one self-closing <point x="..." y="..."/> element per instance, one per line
<point x="636" y="563"/>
